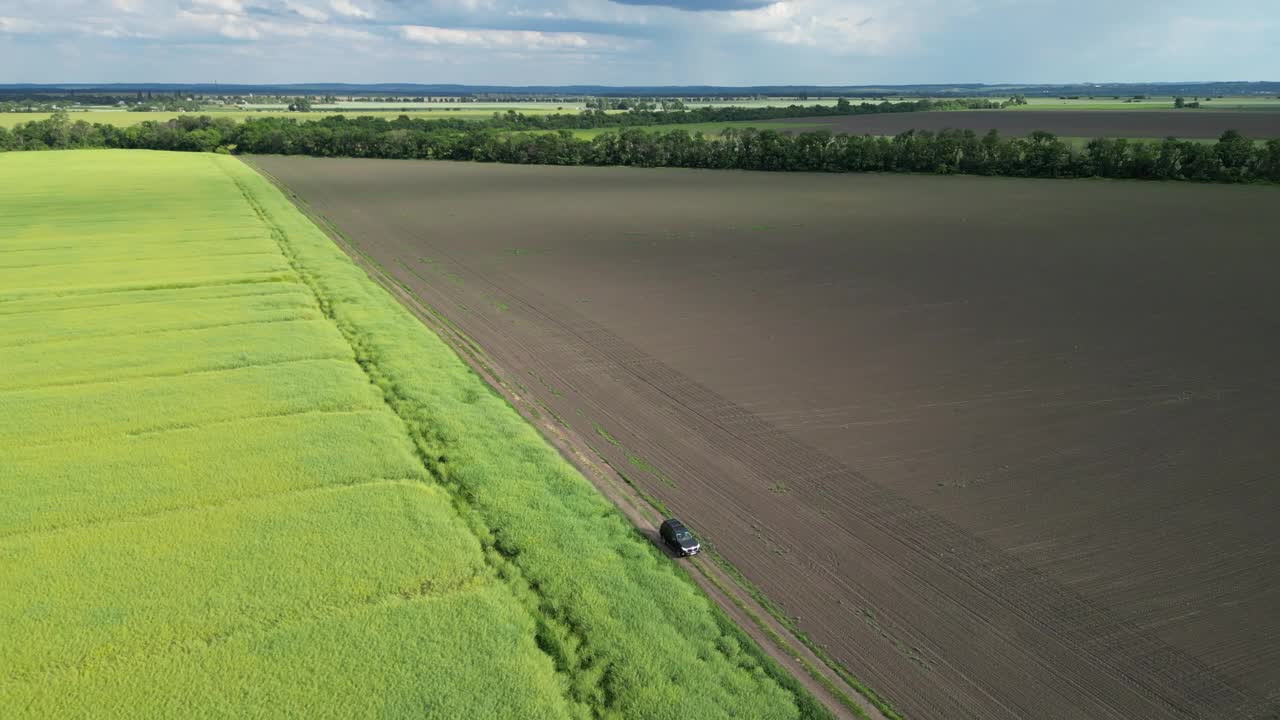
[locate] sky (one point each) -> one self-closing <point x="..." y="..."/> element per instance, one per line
<point x="638" y="42"/>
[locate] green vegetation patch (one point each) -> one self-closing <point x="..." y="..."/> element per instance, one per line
<point x="113" y="320"/>
<point x="602" y="432"/>
<point x="145" y="405"/>
<point x="643" y="465"/>
<point x="306" y="555"/>
<point x="176" y="352"/>
<point x="463" y="654"/>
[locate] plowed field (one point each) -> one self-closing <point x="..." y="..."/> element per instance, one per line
<point x="1186" y="124"/>
<point x="1005" y="448"/>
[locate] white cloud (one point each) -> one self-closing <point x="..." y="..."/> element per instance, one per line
<point x="17" y="25"/>
<point x="225" y="24"/>
<point x="242" y="27"/>
<point x="306" y="11"/>
<point x="227" y="6"/>
<point x="840" y="27"/>
<point x="466" y="6"/>
<point x="349" y="9"/>
<point x="508" y="39"/>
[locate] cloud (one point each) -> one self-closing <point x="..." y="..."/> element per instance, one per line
<point x="508" y="39"/>
<point x="229" y="25"/>
<point x="227" y="6"/>
<point x="700" y="5"/>
<point x="464" y="6"/>
<point x="841" y="27"/>
<point x="349" y="9"/>
<point x="244" y="27"/>
<point x="305" y="11"/>
<point x="17" y="25"/>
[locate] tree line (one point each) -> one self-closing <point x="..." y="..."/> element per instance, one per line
<point x="1232" y="158"/>
<point x="647" y="115"/>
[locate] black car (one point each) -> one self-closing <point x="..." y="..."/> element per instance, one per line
<point x="678" y="538"/>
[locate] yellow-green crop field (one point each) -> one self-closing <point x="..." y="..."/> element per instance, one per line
<point x="238" y="480"/>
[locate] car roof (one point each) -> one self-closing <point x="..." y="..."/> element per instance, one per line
<point x="672" y="522"/>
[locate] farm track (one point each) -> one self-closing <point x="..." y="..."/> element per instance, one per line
<point x="938" y="619"/>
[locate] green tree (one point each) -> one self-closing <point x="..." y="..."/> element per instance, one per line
<point x="1235" y="151"/>
<point x="58" y="129"/>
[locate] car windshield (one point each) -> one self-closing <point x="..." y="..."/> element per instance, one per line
<point x="683" y="536"/>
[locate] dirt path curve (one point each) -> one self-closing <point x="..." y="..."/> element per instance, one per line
<point x="841" y="698"/>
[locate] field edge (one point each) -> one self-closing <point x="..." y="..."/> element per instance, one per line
<point x="781" y="643"/>
<point x="470" y="358"/>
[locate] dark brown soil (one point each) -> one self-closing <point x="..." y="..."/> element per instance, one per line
<point x="1004" y="447"/>
<point x="1186" y="124"/>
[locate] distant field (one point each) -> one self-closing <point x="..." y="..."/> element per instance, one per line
<point x="1149" y="104"/>
<point x="1187" y="124"/>
<point x="710" y="128"/>
<point x="239" y="480"/>
<point x="1084" y="103"/>
<point x="482" y="107"/>
<point x="122" y="119"/>
<point x="769" y="102"/>
<point x="1251" y="102"/>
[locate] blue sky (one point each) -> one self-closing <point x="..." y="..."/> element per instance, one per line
<point x="634" y="42"/>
